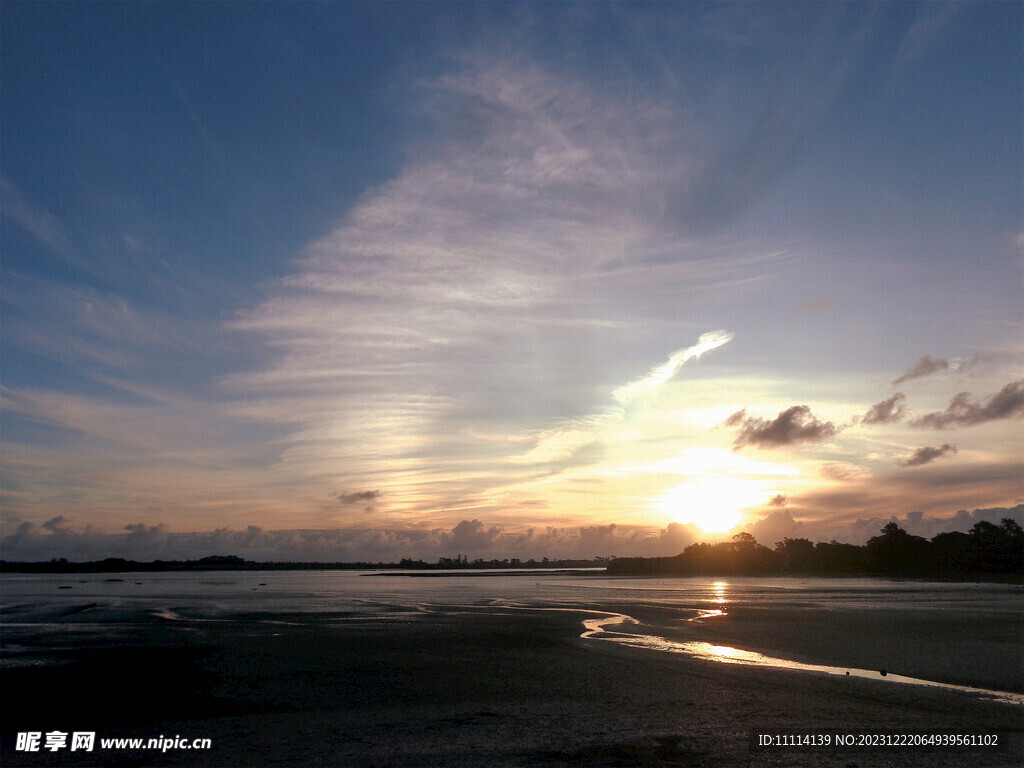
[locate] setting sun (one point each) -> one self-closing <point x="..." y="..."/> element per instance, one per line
<point x="713" y="504"/>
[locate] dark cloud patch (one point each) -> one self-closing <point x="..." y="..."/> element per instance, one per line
<point x="778" y="501"/>
<point x="888" y="411"/>
<point x="961" y="412"/>
<point x="361" y="497"/>
<point x="56" y="523"/>
<point x="923" y="367"/>
<point x="927" y="454"/>
<point x="736" y="419"/>
<point x="793" y="425"/>
<point x="366" y="498"/>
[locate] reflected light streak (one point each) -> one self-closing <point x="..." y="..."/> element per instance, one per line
<point x="724" y="651"/>
<point x="719" y="591"/>
<point x="725" y="654"/>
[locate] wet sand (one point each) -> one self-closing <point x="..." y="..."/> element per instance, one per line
<point x="472" y="688"/>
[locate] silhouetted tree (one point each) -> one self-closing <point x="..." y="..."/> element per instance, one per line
<point x="951" y="554"/>
<point x="896" y="551"/>
<point x="997" y="548"/>
<point x="833" y="557"/>
<point x="795" y="555"/>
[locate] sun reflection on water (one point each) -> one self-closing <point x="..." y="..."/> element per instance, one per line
<point x="719" y="592"/>
<point x="724" y="651"/>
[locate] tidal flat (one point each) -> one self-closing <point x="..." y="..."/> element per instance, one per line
<point x="361" y="670"/>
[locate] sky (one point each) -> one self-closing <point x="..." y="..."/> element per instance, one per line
<point x="366" y="281"/>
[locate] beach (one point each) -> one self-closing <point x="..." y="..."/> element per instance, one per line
<point x="493" y="683"/>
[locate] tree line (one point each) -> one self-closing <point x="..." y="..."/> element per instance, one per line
<point x="987" y="550"/>
<point x="235" y="563"/>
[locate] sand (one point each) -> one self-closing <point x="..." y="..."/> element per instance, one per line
<point x="468" y="688"/>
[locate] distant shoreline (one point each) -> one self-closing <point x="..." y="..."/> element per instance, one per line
<point x="232" y="563"/>
<point x="396" y="570"/>
<point x="989" y="552"/>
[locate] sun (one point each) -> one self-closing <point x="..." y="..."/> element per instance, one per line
<point x="713" y="504"/>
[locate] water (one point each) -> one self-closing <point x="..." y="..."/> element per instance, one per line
<point x="965" y="637"/>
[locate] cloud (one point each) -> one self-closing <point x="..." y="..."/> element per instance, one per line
<point x="366" y="499"/>
<point x="208" y="141"/>
<point x="927" y="454"/>
<point x="964" y="364"/>
<point x="473" y="536"/>
<point x="504" y="282"/>
<point x="493" y="286"/>
<point x="675" y="538"/>
<point x="649" y="384"/>
<point x="793" y="425"/>
<point x="923" y="367"/>
<point x="735" y="419"/>
<point x="932" y="23"/>
<point x="961" y="412"/>
<point x="918" y="523"/>
<point x="40" y="223"/>
<point x="842" y="472"/>
<point x="597" y="536"/>
<point x="943" y="488"/>
<point x="775" y="526"/>
<point x="469" y="294"/>
<point x="144" y="542"/>
<point x="886" y="412"/>
<point x="557" y="444"/>
<point x="778" y="501"/>
<point x="358" y="497"/>
<point x="813" y="77"/>
<point x="780" y="524"/>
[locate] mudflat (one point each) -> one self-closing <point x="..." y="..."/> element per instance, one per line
<point x="460" y="687"/>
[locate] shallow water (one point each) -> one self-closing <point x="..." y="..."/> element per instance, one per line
<point x="42" y="615"/>
<point x="601" y="630"/>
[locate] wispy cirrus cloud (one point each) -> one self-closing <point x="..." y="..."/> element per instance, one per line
<point x="475" y="292"/>
<point x="560" y="443"/>
<point x="649" y="384"/>
<point x="43" y="225"/>
<point x="932" y="23"/>
<point x="474" y="346"/>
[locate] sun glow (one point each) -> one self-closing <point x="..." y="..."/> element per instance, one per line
<point x="713" y="504"/>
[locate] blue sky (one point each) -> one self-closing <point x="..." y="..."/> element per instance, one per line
<point x="375" y="280"/>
